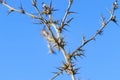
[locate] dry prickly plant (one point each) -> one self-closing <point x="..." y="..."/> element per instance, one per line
<point x="52" y="32"/>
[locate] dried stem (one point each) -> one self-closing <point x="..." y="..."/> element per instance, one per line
<point x="56" y="74"/>
<point x="52" y="33"/>
<point x="66" y="14"/>
<point x="11" y="9"/>
<point x="104" y="24"/>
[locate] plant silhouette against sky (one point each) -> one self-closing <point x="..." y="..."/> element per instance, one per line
<point x="52" y="31"/>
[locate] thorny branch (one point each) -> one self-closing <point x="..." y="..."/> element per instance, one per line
<point x="66" y="14"/>
<point x="52" y="32"/>
<point x="104" y="23"/>
<point x="11" y="9"/>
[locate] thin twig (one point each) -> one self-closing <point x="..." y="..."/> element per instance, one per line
<point x="104" y="24"/>
<point x="16" y="10"/>
<point x="66" y="14"/>
<point x="52" y="32"/>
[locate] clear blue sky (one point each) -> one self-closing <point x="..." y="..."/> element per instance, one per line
<point x="24" y="53"/>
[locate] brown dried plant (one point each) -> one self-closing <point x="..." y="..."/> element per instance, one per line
<point x="52" y="32"/>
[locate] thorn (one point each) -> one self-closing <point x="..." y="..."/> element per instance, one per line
<point x="64" y="66"/>
<point x="59" y="69"/>
<point x="111" y="12"/>
<point x="113" y="18"/>
<point x="34" y="2"/>
<point x="52" y="9"/>
<point x="103" y="21"/>
<point x="70" y="20"/>
<point x="51" y="4"/>
<point x="51" y="51"/>
<point x="10" y="10"/>
<point x="22" y="11"/>
<point x="75" y="58"/>
<point x="65" y="29"/>
<point x="75" y="71"/>
<point x="71" y="12"/>
<point x="99" y="32"/>
<point x="56" y="22"/>
<point x="83" y="39"/>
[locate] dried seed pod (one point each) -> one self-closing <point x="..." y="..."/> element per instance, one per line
<point x="115" y="5"/>
<point x="46" y="9"/>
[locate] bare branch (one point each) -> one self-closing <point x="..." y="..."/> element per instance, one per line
<point x="56" y="75"/>
<point x="52" y="32"/>
<point x="66" y="14"/>
<point x="103" y="25"/>
<point x="11" y="9"/>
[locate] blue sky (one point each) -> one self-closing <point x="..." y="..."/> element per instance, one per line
<point x="24" y="53"/>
